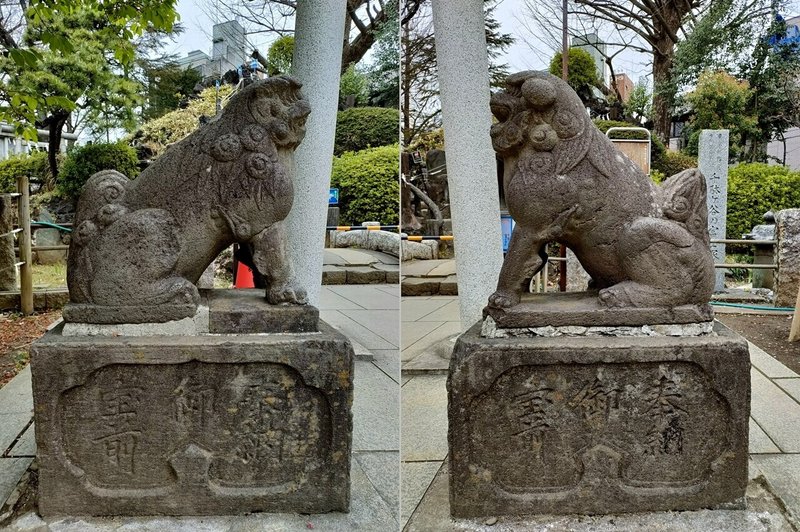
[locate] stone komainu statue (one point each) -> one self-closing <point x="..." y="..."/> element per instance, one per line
<point x="139" y="246"/>
<point x="564" y="181"/>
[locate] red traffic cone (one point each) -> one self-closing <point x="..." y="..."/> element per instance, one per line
<point x="244" y="276"/>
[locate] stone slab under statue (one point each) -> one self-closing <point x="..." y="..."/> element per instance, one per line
<point x="624" y="398"/>
<point x="156" y="398"/>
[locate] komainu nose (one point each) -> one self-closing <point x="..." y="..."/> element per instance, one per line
<point x="540" y="93"/>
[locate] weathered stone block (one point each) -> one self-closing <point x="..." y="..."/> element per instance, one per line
<point x="595" y="426"/>
<point x="193" y="425"/>
<point x="787" y="257"/>
<point x="245" y="311"/>
<point x="365" y="275"/>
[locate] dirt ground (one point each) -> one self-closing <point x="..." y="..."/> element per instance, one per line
<point x="16" y="335"/>
<point x="770" y="333"/>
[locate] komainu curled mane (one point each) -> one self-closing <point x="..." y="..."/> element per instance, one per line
<point x="140" y="245"/>
<point x="564" y="181"/>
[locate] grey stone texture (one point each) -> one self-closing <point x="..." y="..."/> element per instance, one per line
<point x="787" y="257"/>
<point x="489" y="329"/>
<point x="49" y="236"/>
<point x="712" y="160"/>
<point x="193" y="425"/>
<point x="244" y="311"/>
<point x="585" y="309"/>
<point x="644" y="245"/>
<point x="597" y="425"/>
<point x="385" y="241"/>
<point x="8" y="259"/>
<point x="139" y="247"/>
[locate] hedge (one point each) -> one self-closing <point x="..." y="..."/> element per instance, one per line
<point x="81" y="163"/>
<point x="35" y="166"/>
<point x="359" y="128"/>
<point x="755" y="188"/>
<point x="368" y="184"/>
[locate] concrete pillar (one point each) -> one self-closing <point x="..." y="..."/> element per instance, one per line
<point x="319" y="29"/>
<point x="463" y="70"/>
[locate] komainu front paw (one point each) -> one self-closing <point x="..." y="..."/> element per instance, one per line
<point x="503" y="299"/>
<point x="286" y="294"/>
<point x="614" y="297"/>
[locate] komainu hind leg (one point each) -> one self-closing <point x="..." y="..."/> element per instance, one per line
<point x="665" y="264"/>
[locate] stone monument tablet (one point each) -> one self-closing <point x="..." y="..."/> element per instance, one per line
<point x="627" y="397"/>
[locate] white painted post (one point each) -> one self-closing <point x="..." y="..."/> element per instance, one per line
<point x="319" y="30"/>
<point x="463" y="71"/>
<point x="712" y="159"/>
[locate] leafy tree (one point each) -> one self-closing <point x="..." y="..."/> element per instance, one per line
<point x="364" y="21"/>
<point x="639" y="104"/>
<point x="418" y="82"/>
<point x="353" y="83"/>
<point x="656" y="28"/>
<point x="720" y="102"/>
<point x="119" y="23"/>
<point x="167" y="86"/>
<point x="83" y="162"/>
<point x="581" y="71"/>
<point x="86" y="76"/>
<point x="384" y="73"/>
<point x="279" y="56"/>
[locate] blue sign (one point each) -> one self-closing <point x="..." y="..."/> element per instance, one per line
<point x="791" y="38"/>
<point x="254" y="64"/>
<point x="333" y="196"/>
<point x="506" y="227"/>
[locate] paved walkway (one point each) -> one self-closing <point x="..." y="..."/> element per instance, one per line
<point x="429" y="322"/>
<point x="369" y="316"/>
<point x="359" y="266"/>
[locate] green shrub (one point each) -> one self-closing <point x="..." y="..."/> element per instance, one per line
<point x="81" y="163"/>
<point x="756" y="188"/>
<point x="670" y="163"/>
<point x="359" y="128"/>
<point x="368" y="185"/>
<point x="35" y="166"/>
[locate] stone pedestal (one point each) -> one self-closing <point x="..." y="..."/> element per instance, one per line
<point x="208" y="424"/>
<point x="597" y="425"/>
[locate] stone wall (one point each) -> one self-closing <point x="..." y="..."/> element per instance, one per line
<point x="787" y="257"/>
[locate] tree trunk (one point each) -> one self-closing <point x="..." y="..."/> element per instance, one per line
<point x="55" y="127"/>
<point x="662" y="97"/>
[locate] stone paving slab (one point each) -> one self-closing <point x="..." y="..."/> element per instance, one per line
<point x="783" y="474"/>
<point x="759" y="442"/>
<point x="776" y="412"/>
<point x="375" y="410"/>
<point x="383" y="471"/>
<point x="421" y="268"/>
<point x="369" y="297"/>
<point x="384" y="323"/>
<point x="11" y="426"/>
<point x="444" y="269"/>
<point x="15" y="396"/>
<point x="417" y="477"/>
<point x="330" y="300"/>
<point x="764" y="514"/>
<point x="790" y="386"/>
<point x="355" y="330"/>
<point x="11" y="470"/>
<point x="422" y="346"/>
<point x="414" y="308"/>
<point x="768" y="365"/>
<point x="424" y="419"/>
<point x="447" y="312"/>
<point x="26" y="446"/>
<point x="413" y="331"/>
<point x="388" y="361"/>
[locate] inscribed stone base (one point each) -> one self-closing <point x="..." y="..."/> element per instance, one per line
<point x="597" y="425"/>
<point x="193" y="425"/>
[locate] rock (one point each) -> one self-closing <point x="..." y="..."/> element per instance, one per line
<point x="425" y="250"/>
<point x="787" y="257"/>
<point x="219" y="424"/>
<point x="575" y="425"/>
<point x="48" y="237"/>
<point x="143" y="244"/>
<point x="385" y="241"/>
<point x="421" y="286"/>
<point x="333" y="274"/>
<point x="365" y="275"/>
<point x="648" y="246"/>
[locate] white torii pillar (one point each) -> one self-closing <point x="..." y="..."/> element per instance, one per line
<point x="319" y="27"/>
<point x="463" y="70"/>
